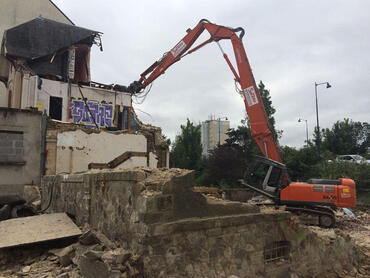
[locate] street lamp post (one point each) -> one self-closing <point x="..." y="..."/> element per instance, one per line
<point x="317" y="114"/>
<point x="300" y="120"/>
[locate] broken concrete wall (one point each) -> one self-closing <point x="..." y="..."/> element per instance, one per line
<point x="71" y="148"/>
<point x="181" y="233"/>
<point x="76" y="149"/>
<point x="20" y="149"/>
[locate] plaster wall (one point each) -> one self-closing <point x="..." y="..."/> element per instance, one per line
<point x="18" y="175"/>
<point x="76" y="149"/>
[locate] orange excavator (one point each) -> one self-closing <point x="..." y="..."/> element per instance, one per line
<point x="268" y="175"/>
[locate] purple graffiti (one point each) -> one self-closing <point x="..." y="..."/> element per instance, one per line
<point x="102" y="113"/>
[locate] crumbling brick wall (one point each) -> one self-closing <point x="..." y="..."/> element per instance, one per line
<point x="181" y="233"/>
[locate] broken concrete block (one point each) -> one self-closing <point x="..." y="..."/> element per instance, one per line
<point x="37" y="204"/>
<point x="88" y="238"/>
<point x="133" y="271"/>
<point x="115" y="274"/>
<point x="121" y="255"/>
<point x="108" y="257"/>
<point x="104" y="240"/>
<point x="79" y="251"/>
<point x="94" y="255"/>
<point x="93" y="268"/>
<point x="65" y="255"/>
<point x="26" y="269"/>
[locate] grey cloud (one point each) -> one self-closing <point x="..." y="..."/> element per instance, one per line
<point x="290" y="45"/>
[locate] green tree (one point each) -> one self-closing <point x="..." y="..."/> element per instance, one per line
<point x="270" y="110"/>
<point x="186" y="151"/>
<point x="347" y="137"/>
<point x="240" y="139"/>
<point x="224" y="166"/>
<point x="302" y="164"/>
<point x="317" y="138"/>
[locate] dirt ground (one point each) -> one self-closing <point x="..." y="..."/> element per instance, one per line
<point x="358" y="228"/>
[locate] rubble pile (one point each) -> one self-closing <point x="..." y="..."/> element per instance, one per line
<point x="93" y="256"/>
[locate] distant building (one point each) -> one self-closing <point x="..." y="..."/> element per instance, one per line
<point x="213" y="133"/>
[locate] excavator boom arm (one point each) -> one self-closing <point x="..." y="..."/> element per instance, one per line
<point x="260" y="129"/>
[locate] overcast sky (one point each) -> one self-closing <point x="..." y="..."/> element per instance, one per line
<point x="290" y="45"/>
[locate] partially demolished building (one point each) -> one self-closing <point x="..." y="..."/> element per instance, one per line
<point x="82" y="124"/>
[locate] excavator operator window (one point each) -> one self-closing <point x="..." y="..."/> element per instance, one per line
<point x="257" y="176"/>
<point x="274" y="177"/>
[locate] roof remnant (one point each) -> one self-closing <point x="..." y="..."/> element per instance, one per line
<point x="42" y="37"/>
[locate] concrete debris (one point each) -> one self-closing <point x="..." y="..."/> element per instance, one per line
<point x="117" y="262"/>
<point x="31" y="194"/>
<point x="22" y="205"/>
<point x="36" y="205"/>
<point x="146" y="222"/>
<point x="88" y="238"/>
<point x="103" y="240"/>
<point x="73" y="261"/>
<point x="65" y="255"/>
<point x="26" y="269"/>
<point x="94" y="255"/>
<point x="92" y="268"/>
<point x="209" y="191"/>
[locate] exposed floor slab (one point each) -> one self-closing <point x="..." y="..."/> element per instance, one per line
<point x="34" y="229"/>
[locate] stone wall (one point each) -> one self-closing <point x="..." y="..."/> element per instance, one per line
<point x="181" y="233"/>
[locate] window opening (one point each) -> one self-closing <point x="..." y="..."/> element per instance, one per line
<point x="55" y="108"/>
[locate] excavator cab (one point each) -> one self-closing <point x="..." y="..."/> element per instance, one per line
<point x="267" y="177"/>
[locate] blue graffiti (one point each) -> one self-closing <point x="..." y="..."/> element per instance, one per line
<point x="102" y="113"/>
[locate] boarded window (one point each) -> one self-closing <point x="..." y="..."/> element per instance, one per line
<point x="276" y="251"/>
<point x="11" y="147"/>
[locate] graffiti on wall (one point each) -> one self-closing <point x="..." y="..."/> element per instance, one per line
<point x="102" y="113"/>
